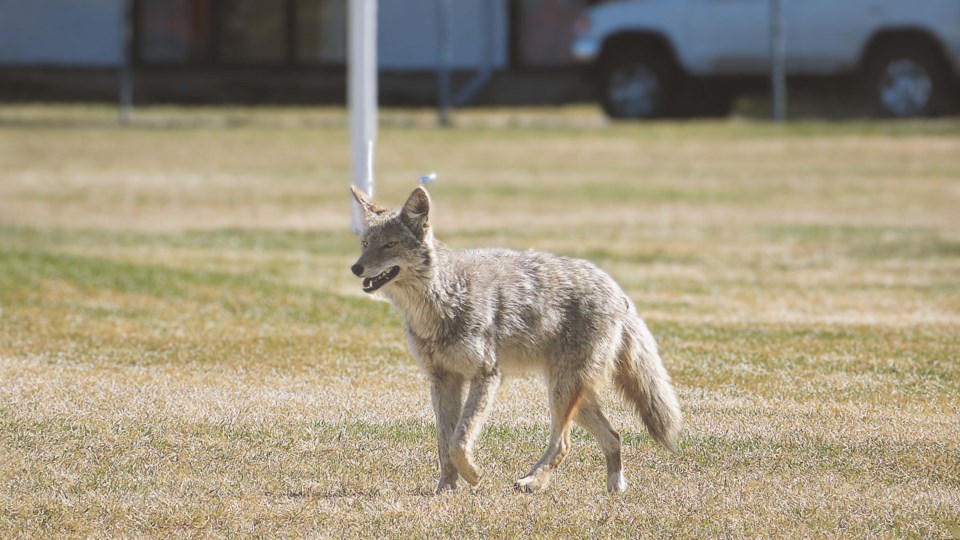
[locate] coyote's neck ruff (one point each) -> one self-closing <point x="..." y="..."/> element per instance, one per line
<point x="428" y="297"/>
<point x="471" y="315"/>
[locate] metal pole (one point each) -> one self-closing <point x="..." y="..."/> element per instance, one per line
<point x="126" y="67"/>
<point x="362" y="93"/>
<point x="444" y="60"/>
<point x="778" y="60"/>
<point x="466" y="94"/>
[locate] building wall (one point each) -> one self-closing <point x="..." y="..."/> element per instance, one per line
<point x="87" y="33"/>
<point x="60" y="32"/>
<point x="409" y="34"/>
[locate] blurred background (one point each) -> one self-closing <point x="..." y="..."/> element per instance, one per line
<point x="281" y="51"/>
<point x="710" y="57"/>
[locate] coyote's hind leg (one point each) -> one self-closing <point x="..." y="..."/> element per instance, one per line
<point x="563" y="405"/>
<point x="590" y="417"/>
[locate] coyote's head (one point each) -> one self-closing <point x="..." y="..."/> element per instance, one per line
<point x="397" y="245"/>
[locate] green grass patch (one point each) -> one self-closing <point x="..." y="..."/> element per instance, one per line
<point x="184" y="352"/>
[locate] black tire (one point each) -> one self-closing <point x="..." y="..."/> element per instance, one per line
<point x="909" y="80"/>
<point x="637" y="85"/>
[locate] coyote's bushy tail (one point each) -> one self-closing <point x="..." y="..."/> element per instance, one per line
<point x="644" y="383"/>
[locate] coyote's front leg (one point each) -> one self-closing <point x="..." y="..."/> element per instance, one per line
<point x="483" y="389"/>
<point x="446" y="393"/>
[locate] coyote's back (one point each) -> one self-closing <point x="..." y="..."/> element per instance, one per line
<point x="471" y="315"/>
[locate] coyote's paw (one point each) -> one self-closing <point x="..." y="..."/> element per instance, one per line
<point x="446" y="486"/>
<point x="616" y="483"/>
<point x="464" y="463"/>
<point x="471" y="474"/>
<point x="531" y="484"/>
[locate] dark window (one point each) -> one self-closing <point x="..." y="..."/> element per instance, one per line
<point x="544" y="31"/>
<point x="322" y="31"/>
<point x="173" y="31"/>
<point x="241" y="32"/>
<point x="252" y="31"/>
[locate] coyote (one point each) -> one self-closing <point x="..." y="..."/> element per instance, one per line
<point x="472" y="316"/>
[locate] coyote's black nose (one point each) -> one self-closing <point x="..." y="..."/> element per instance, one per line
<point x="357" y="270"/>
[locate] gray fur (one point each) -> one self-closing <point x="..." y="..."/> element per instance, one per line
<point x="472" y="316"/>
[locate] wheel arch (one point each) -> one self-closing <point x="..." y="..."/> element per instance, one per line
<point x="627" y="40"/>
<point x="907" y="36"/>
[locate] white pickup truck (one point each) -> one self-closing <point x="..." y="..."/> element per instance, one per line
<point x="667" y="57"/>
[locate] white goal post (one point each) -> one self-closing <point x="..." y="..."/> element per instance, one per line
<point x="362" y="93"/>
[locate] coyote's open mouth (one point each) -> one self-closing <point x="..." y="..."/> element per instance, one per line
<point x="374" y="283"/>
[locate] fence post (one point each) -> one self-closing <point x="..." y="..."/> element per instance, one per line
<point x="444" y="62"/>
<point x="778" y="59"/>
<point x="126" y="62"/>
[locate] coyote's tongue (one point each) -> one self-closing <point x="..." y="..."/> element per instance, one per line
<point x="374" y="283"/>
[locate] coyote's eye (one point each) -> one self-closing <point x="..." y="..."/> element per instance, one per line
<point x="390" y="244"/>
<point x="364" y="243"/>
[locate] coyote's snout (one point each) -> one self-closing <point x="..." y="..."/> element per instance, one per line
<point x="472" y="315"/>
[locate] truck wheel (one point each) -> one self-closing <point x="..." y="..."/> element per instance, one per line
<point x="636" y="85"/>
<point x="908" y="81"/>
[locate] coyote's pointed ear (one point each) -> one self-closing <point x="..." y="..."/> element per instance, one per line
<point x="367" y="206"/>
<point x="416" y="212"/>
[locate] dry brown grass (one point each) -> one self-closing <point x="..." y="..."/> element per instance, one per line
<point x="183" y="352"/>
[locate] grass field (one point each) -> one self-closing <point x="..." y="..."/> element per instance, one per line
<point x="184" y="352"/>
